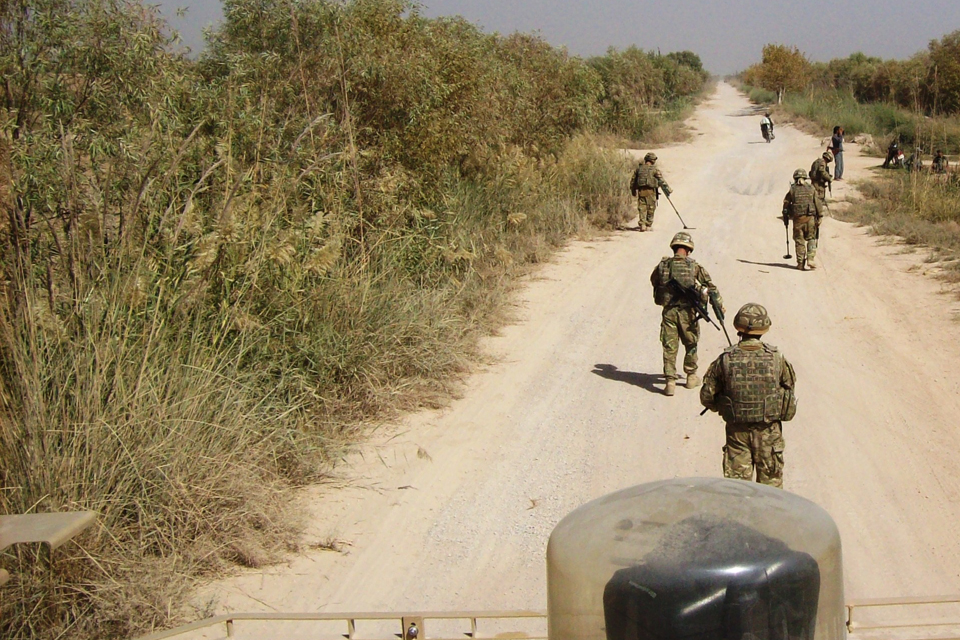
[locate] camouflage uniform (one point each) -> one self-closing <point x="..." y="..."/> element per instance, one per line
<point x="820" y="177"/>
<point x="751" y="386"/>
<point x="803" y="207"/>
<point x="645" y="185"/>
<point x="679" y="321"/>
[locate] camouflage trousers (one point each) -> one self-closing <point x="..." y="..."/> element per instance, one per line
<point x="679" y="324"/>
<point x="821" y="196"/>
<point x="805" y="238"/>
<point x="646" y="207"/>
<point x="754" y="446"/>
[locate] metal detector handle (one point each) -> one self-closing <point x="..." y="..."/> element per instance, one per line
<point x="675" y="211"/>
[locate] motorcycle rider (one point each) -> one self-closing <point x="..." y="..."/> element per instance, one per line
<point x="766" y="127"/>
<point x="893" y="152"/>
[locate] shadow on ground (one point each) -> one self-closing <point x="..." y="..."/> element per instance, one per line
<point x="652" y="382"/>
<point x="778" y="265"/>
<point x="749" y="111"/>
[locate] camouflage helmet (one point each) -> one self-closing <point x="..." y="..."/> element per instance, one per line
<point x="799" y="174"/>
<point x="682" y="239"/>
<point x="828" y="156"/>
<point x="752" y="319"/>
<point x="650" y="157"/>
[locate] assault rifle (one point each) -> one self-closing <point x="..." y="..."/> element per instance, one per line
<point x="692" y="295"/>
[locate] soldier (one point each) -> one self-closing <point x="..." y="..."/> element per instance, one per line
<point x="751" y="386"/>
<point x="820" y="176"/>
<point x="680" y="321"/>
<point x="645" y="186"/>
<point x="940" y="163"/>
<point x="803" y="207"/>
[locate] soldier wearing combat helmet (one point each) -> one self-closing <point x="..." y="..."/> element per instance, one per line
<point x="645" y="186"/>
<point x="803" y="207"/>
<point x="751" y="386"/>
<point x="820" y="176"/>
<point x="674" y="281"/>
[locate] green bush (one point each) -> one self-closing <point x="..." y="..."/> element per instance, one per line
<point x="214" y="270"/>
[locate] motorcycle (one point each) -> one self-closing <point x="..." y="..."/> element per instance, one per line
<point x="767" y="131"/>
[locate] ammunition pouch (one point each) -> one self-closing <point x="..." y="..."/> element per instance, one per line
<point x="788" y="405"/>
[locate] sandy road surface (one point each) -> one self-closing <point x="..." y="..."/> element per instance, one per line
<point x="572" y="408"/>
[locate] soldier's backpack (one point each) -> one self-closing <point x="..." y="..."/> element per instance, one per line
<point x="752" y="391"/>
<point x="683" y="270"/>
<point x="645" y="177"/>
<point x="803" y="201"/>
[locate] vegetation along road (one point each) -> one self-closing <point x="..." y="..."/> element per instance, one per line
<point x="452" y="510"/>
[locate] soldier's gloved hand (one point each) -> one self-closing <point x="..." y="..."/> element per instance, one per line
<point x="668" y="192"/>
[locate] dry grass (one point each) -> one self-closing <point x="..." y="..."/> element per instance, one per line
<point x="921" y="209"/>
<point x="215" y="276"/>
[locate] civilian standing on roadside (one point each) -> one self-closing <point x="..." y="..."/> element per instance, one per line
<point x="836" y="145"/>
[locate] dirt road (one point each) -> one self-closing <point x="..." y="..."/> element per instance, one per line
<point x="454" y="509"/>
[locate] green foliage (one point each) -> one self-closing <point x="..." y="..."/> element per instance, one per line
<point x="213" y="270"/>
<point x="638" y="86"/>
<point x="943" y="75"/>
<point x="782" y="69"/>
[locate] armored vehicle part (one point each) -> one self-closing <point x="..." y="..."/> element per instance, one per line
<point x="696" y="559"/>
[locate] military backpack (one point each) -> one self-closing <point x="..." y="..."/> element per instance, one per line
<point x="752" y="391"/>
<point x="645" y="177"/>
<point x="681" y="269"/>
<point x="802" y="201"/>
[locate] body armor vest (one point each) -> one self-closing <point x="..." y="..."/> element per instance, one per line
<point x="645" y="177"/>
<point x="684" y="271"/>
<point x="802" y="203"/>
<point x="818" y="168"/>
<point x="752" y="390"/>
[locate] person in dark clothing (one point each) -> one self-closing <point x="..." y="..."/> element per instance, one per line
<point x="836" y="145"/>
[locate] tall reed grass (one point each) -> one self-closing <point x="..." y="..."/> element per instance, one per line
<point x="215" y="273"/>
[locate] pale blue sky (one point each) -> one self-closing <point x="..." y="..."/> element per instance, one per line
<point x="728" y="34"/>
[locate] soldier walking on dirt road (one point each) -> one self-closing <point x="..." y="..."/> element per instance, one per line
<point x="645" y="186"/>
<point x="674" y="281"/>
<point x="751" y="386"/>
<point x="820" y="176"/>
<point x="803" y="207"/>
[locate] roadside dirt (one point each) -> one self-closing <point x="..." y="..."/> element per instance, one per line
<point x="452" y="509"/>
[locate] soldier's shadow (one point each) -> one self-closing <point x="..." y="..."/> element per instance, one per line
<point x="778" y="265"/>
<point x="643" y="380"/>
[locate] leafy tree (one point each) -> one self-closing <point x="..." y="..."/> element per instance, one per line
<point x="783" y="69"/>
<point x="943" y="78"/>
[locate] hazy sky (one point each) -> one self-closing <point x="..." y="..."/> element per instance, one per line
<point x="728" y="34"/>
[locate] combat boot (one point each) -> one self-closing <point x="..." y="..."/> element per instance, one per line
<point x="642" y="227"/>
<point x="670" y="388"/>
<point x="693" y="381"/>
<point x="810" y="263"/>
<point x="800" y="264"/>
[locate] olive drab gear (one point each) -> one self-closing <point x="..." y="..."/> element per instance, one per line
<point x="650" y="157"/>
<point x="679" y="322"/>
<point x="684" y="271"/>
<point x="828" y="156"/>
<point x="799" y="174"/>
<point x="752" y="319"/>
<point x="682" y="239"/>
<point x="645" y="177"/>
<point x="801" y="201"/>
<point x="752" y="391"/>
